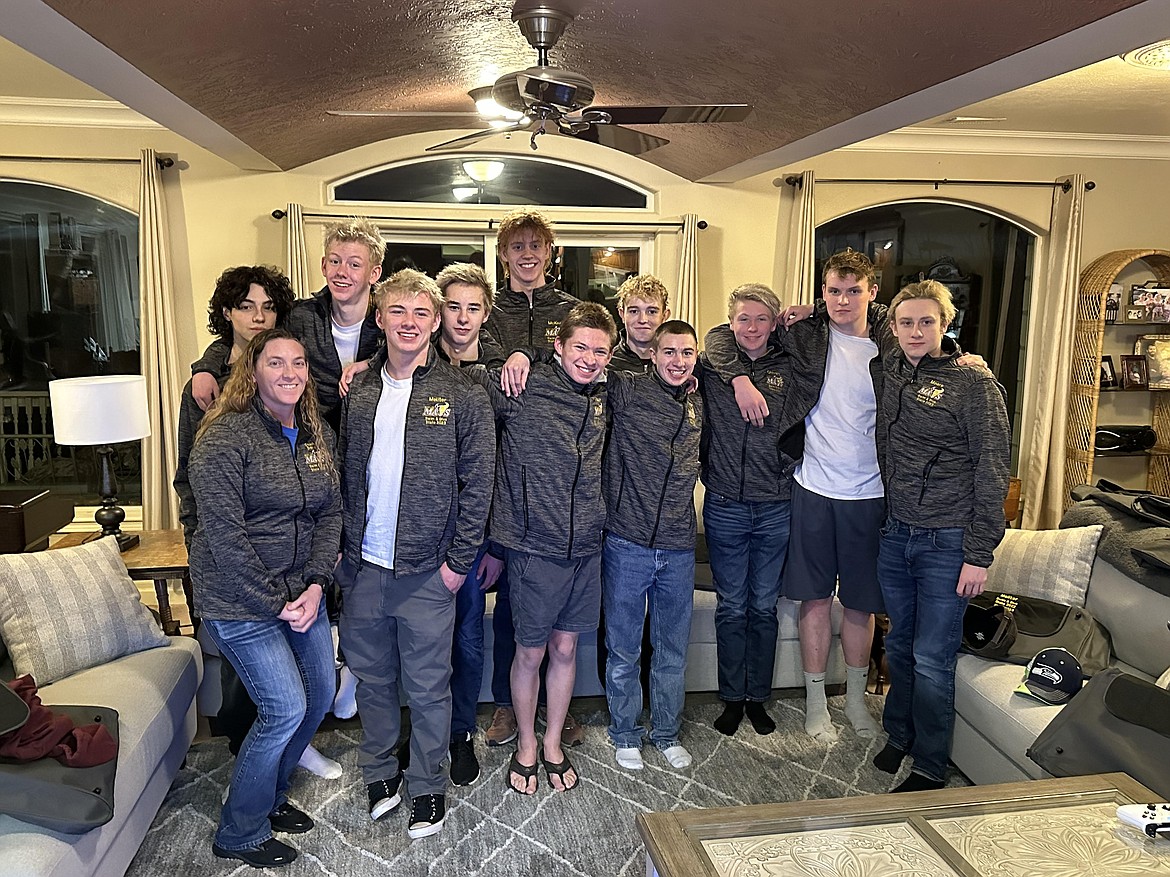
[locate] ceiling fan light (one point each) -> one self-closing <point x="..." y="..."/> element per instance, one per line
<point x="1153" y="57"/>
<point x="483" y="170"/>
<point x="462" y="193"/>
<point x="489" y="109"/>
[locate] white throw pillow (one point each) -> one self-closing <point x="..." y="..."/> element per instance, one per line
<point x="1050" y="564"/>
<point x="68" y="609"/>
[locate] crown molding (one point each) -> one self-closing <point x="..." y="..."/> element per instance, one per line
<point x="1038" y="143"/>
<point x="67" y="113"/>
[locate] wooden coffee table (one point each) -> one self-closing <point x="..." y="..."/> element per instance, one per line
<point x="160" y="556"/>
<point x="1059" y="827"/>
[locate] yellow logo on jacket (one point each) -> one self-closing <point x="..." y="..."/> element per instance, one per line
<point x="774" y="381"/>
<point x="598" y="412"/>
<point x="312" y="458"/>
<point x="931" y="394"/>
<point x="436" y="411"/>
<point x="551" y="330"/>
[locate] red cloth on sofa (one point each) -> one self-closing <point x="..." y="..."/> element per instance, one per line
<point x="47" y="735"/>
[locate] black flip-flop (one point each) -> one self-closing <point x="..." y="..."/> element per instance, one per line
<point x="526" y="771"/>
<point x="560" y="768"/>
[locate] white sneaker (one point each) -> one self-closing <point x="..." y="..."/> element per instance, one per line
<point x="629" y="758"/>
<point x="314" y="762"/>
<point x="345" y="703"/>
<point x="677" y="757"/>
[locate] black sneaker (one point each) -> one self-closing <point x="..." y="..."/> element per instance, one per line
<point x="270" y="854"/>
<point x="384" y="796"/>
<point x="289" y="819"/>
<point x="426" y="816"/>
<point x="464" y="764"/>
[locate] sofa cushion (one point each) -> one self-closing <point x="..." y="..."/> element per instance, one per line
<point x="1053" y="565"/>
<point x="1134" y="615"/>
<point x="985" y="697"/>
<point x="70" y="609"/>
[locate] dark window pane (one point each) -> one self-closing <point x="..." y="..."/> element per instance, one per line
<point x="521" y="181"/>
<point x="68" y="308"/>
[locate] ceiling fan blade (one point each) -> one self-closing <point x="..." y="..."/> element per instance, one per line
<point x="475" y="137"/>
<point x="405" y="114"/>
<point x="626" y="115"/>
<point x="625" y="139"/>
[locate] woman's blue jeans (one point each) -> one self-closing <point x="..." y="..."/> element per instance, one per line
<point x="918" y="569"/>
<point x="290" y="677"/>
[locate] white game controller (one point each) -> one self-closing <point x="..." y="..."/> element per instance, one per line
<point x="1153" y="819"/>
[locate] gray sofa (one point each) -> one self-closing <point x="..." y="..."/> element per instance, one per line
<point x="154" y="694"/>
<point x="994" y="727"/>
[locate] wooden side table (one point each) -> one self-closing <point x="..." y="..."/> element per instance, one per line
<point x="160" y="556"/>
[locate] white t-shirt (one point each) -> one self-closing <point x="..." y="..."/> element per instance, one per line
<point x="346" y="339"/>
<point x="384" y="472"/>
<point x="840" y="451"/>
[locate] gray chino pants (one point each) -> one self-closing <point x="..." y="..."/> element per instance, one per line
<point x="396" y="634"/>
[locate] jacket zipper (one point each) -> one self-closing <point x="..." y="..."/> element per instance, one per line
<point x="531" y="318"/>
<point x="669" y="470"/>
<point x="304" y="506"/>
<point x="405" y="457"/>
<point x="577" y="474"/>
<point x="743" y="447"/>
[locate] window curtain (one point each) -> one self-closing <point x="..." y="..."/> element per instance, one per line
<point x="296" y="258"/>
<point x="1051" y="345"/>
<point x="686" y="302"/>
<point x="795" y="280"/>
<point x="164" y="382"/>
<point x="119" y="293"/>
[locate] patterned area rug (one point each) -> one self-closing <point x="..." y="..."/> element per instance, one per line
<point x="493" y="832"/>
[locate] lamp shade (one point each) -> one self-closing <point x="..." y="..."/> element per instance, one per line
<point x="102" y="410"/>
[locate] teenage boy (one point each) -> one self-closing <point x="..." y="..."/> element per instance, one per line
<point x="527" y="313"/>
<point x="548" y="515"/>
<point x="337" y="325"/>
<point x="945" y="449"/>
<point x="651" y="465"/>
<point x="417" y="445"/>
<point x="642" y="304"/>
<point x="747" y="472"/>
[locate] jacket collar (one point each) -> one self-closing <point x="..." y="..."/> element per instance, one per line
<point x="542" y="294"/>
<point x="274" y="426"/>
<point x="560" y="375"/>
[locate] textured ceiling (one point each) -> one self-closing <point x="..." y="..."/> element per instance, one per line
<point x="267" y="70"/>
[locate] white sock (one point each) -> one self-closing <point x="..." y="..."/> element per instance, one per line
<point x="345" y="704"/>
<point x="314" y="762"/>
<point x="856" y="678"/>
<point x="337" y="663"/>
<point x="817" y="723"/>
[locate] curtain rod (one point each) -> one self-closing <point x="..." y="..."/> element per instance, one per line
<point x="794" y="180"/>
<point x="491" y="223"/>
<point x="163" y="161"/>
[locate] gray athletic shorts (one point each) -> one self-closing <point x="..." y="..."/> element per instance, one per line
<point x="833" y="546"/>
<point x="550" y="594"/>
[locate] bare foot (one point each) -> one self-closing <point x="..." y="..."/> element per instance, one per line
<point x="521" y="776"/>
<point x="562" y="776"/>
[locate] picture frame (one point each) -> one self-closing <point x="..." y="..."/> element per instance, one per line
<point x="1156" y="351"/>
<point x="1108" y="375"/>
<point x="1135" y="373"/>
<point x="1135" y="315"/>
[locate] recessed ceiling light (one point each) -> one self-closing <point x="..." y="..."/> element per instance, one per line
<point x="1155" y="57"/>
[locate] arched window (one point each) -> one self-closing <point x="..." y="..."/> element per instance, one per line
<point x="68" y="308"/>
<point x="492" y="179"/>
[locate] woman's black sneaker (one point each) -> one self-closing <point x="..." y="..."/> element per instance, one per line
<point x="289" y="819"/>
<point x="464" y="764"/>
<point x="270" y="854"/>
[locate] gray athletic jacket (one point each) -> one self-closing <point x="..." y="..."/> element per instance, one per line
<point x="731" y="448"/>
<point x="311" y="320"/>
<point x="447" y="475"/>
<point x="269" y="521"/>
<point x="548" y="497"/>
<point x="944" y="445"/>
<point x="652" y="461"/>
<point x="514" y="323"/>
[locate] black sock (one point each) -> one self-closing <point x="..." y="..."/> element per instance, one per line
<point x="759" y="718"/>
<point x="728" y="723"/>
<point x="916" y="782"/>
<point x="889" y="759"/>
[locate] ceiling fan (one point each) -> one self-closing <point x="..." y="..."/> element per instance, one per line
<point x="547" y="99"/>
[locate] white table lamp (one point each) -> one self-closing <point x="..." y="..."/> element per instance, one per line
<point x="102" y="411"/>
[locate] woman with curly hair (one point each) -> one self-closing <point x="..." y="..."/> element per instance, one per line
<point x="263" y="552"/>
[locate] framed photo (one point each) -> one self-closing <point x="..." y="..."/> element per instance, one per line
<point x="1135" y="372"/>
<point x="1153" y="300"/>
<point x="1156" y="350"/>
<point x="1135" y="315"/>
<point x="1108" y="376"/>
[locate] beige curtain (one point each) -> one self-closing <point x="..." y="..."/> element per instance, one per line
<point x="686" y="300"/>
<point x="296" y="258"/>
<point x="795" y="282"/>
<point x="164" y="381"/>
<point x="1052" y="320"/>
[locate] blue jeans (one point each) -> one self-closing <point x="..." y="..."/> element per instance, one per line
<point x="747" y="542"/>
<point x="632" y="576"/>
<point x="467" y="651"/>
<point x="289" y="676"/>
<point x="503" y="643"/>
<point x="918" y="569"/>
